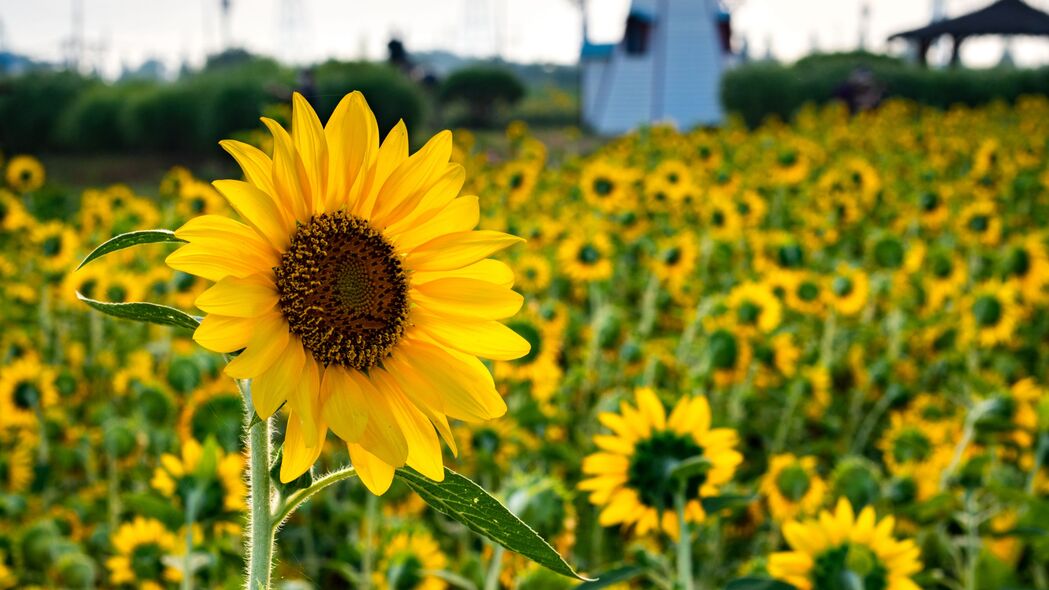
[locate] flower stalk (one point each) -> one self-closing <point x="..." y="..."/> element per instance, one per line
<point x="260" y="529"/>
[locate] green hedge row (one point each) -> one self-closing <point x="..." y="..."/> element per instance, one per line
<point x="759" y="90"/>
<point x="62" y="111"/>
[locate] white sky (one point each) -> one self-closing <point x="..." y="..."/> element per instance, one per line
<point x="120" y="32"/>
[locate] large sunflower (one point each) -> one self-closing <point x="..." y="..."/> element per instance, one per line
<point x="356" y="290"/>
<point x="840" y="546"/>
<point x="629" y="476"/>
<point x="141" y="546"/>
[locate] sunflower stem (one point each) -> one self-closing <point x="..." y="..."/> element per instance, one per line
<point x="260" y="529"/>
<point x="292" y="503"/>
<point x="495" y="567"/>
<point x="684" y="542"/>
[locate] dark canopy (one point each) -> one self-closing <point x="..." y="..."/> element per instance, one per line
<point x="1004" y="17"/>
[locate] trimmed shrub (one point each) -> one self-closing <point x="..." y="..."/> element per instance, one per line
<point x="483" y="90"/>
<point x="30" y="107"/>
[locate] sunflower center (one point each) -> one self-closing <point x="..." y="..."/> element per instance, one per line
<point x="724" y="350"/>
<point x="911" y="445"/>
<point x="808" y="291"/>
<point x="215" y="418"/>
<point x="930" y="201"/>
<point x="790" y="256"/>
<point x="343" y="291"/>
<point x="26" y="396"/>
<point x="145" y="562"/>
<point x="942" y="267"/>
<point x="1018" y="263"/>
<point x="988" y="310"/>
<point x="842" y="286"/>
<point x="603" y="186"/>
<point x="793" y="482"/>
<point x="672" y="256"/>
<point x="748" y="313"/>
<point x="849" y="567"/>
<point x="653" y="461"/>
<point x="51" y="246"/>
<point x="588" y="254"/>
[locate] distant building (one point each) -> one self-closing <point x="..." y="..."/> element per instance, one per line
<point x="667" y="68"/>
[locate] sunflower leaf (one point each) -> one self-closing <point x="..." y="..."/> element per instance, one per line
<point x="614" y="576"/>
<point x="131" y="238"/>
<point x="468" y="503"/>
<point x="716" y="503"/>
<point x="141" y="311"/>
<point x="754" y="583"/>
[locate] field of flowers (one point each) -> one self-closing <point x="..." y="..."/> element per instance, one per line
<point x="807" y="356"/>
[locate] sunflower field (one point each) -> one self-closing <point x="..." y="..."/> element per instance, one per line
<point x="808" y="355"/>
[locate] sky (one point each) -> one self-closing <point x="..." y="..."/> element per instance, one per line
<point x="116" y="33"/>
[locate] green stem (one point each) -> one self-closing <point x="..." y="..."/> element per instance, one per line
<point x="684" y="543"/>
<point x="371" y="510"/>
<point x="260" y="529"/>
<point x="301" y="496"/>
<point x="491" y="580"/>
<point x="187" y="558"/>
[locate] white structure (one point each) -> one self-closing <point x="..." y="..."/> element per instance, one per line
<point x="667" y="68"/>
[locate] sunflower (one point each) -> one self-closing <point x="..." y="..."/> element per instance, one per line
<point x="586" y="259"/>
<point x="533" y="274"/>
<point x="751" y="208"/>
<point x="978" y="223"/>
<point x="213" y="409"/>
<point x="16" y="461"/>
<point x="56" y="245"/>
<point x="847" y="290"/>
<point x="198" y="198"/>
<point x="25" y="174"/>
<point x="754" y="308"/>
<point x="918" y="450"/>
<point x="675" y="259"/>
<point x="26" y="387"/>
<point x="13" y="215"/>
<point x="221" y="492"/>
<point x="946" y="275"/>
<point x="357" y="291"/>
<point x="408" y="561"/>
<point x="990" y="314"/>
<point x="1026" y="264"/>
<point x="792" y="487"/>
<point x="804" y="291"/>
<point x="518" y="179"/>
<point x="540" y="365"/>
<point x="141" y="546"/>
<point x="607" y="187"/>
<point x="672" y="178"/>
<point x="721" y="220"/>
<point x="840" y="546"/>
<point x="629" y="475"/>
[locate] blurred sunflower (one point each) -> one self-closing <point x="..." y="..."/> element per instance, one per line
<point x="978" y="223"/>
<point x="990" y="314"/>
<point x="606" y="186"/>
<point x="141" y="546"/>
<point x="675" y="259"/>
<point x="754" y="308"/>
<point x="630" y="475"/>
<point x="16" y="461"/>
<point x="586" y="259"/>
<point x="792" y="487"/>
<point x="408" y="562"/>
<point x="221" y="493"/>
<point x="56" y="245"/>
<point x="25" y="174"/>
<point x="26" y="388"/>
<point x="847" y="290"/>
<point x="356" y="286"/>
<point x="532" y="274"/>
<point x="13" y="215"/>
<point x="839" y="546"/>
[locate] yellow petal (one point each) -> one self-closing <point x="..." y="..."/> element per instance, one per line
<point x="489" y="269"/>
<point x="297" y="457"/>
<point x="304" y="397"/>
<point x="410" y="181"/>
<point x="345" y="406"/>
<point x="466" y="388"/>
<point x="268" y="341"/>
<point x="424" y="450"/>
<point x="649" y="405"/>
<point x="223" y="334"/>
<point x="382" y="434"/>
<point x="256" y="165"/>
<point x="460" y="215"/>
<point x="457" y="250"/>
<point x="246" y="297"/>
<point x="435" y="198"/>
<point x="216" y="228"/>
<point x="288" y="178"/>
<point x="259" y="209"/>
<point x="375" y="474"/>
<point x="467" y="298"/>
<point x="307" y="136"/>
<point x="352" y="136"/>
<point x="273" y="387"/>
<point x="392" y="152"/>
<point x="215" y="261"/>
<point x="486" y="339"/>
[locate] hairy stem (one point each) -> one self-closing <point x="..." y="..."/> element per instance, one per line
<point x="260" y="529"/>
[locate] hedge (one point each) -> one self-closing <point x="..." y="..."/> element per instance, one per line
<point x="758" y="90"/>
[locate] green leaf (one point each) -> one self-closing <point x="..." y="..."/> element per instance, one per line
<point x="690" y="467"/>
<point x="468" y="503"/>
<point x="717" y="503"/>
<point x="131" y="238"/>
<point x="620" y="574"/>
<point x="758" y="584"/>
<point x="141" y="311"/>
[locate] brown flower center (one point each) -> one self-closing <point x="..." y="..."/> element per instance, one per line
<point x="343" y="291"/>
